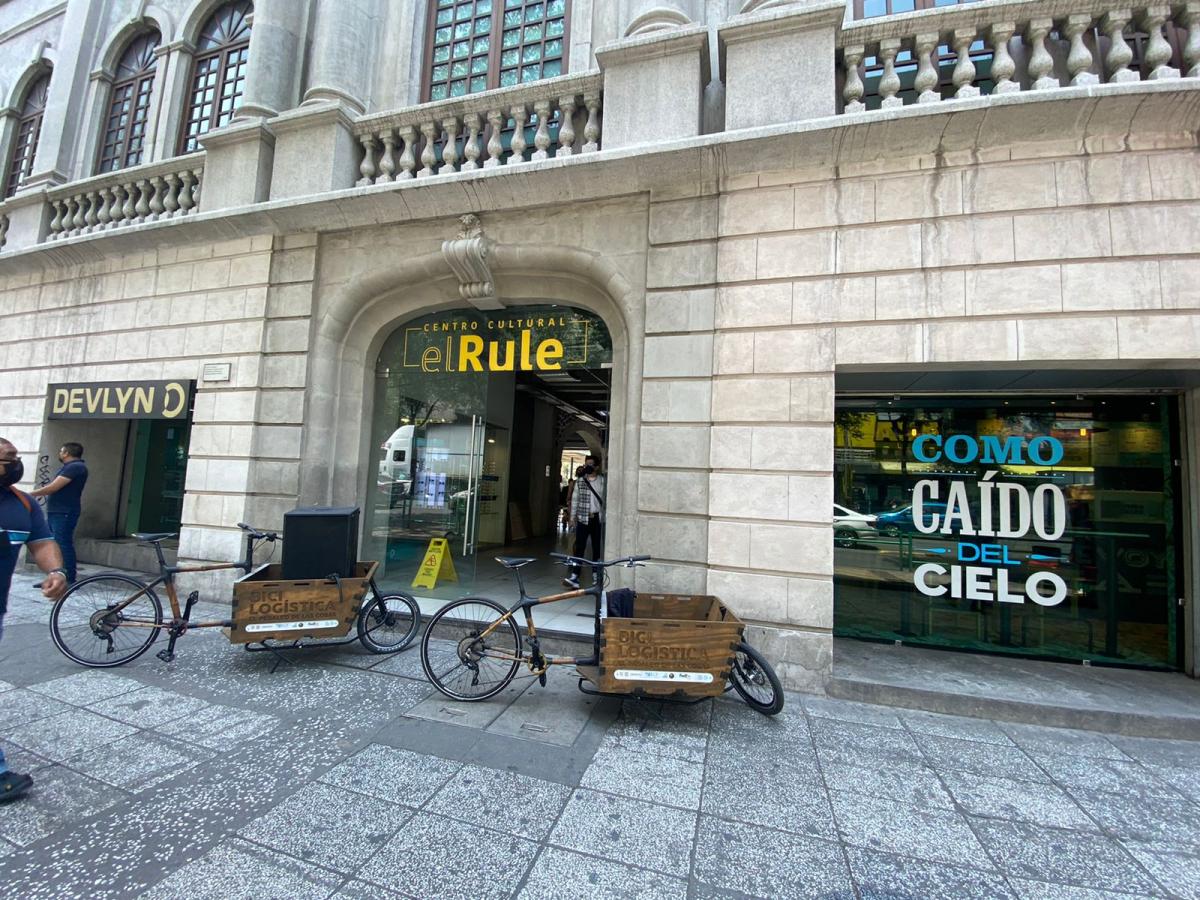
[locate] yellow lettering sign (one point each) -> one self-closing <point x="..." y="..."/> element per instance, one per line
<point x="548" y="352"/>
<point x="143" y="400"/>
<point x="60" y="400"/>
<point x="75" y="403"/>
<point x="470" y="347"/>
<point x="173" y="410"/>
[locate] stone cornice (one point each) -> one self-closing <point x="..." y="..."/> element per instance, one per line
<point x="238" y="133"/>
<point x="775" y="22"/>
<point x="659" y="44"/>
<point x="314" y="114"/>
<point x="1076" y="120"/>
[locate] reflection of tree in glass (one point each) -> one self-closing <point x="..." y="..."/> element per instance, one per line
<point x="849" y="425"/>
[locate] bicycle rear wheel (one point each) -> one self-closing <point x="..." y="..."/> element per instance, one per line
<point x="463" y="663"/>
<point x="87" y="626"/>
<point x="388" y="623"/>
<point x="755" y="680"/>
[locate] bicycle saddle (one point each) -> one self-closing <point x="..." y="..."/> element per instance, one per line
<point x="154" y="538"/>
<point x="515" y="562"/>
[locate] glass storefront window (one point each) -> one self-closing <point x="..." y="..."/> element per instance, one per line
<point x="1040" y="526"/>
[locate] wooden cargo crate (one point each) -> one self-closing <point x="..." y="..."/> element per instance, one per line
<point x="675" y="645"/>
<point x="267" y="608"/>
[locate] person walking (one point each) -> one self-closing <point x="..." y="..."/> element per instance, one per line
<point x="65" y="493"/>
<point x="587" y="515"/>
<point x="22" y="522"/>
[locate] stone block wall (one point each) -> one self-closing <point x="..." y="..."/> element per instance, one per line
<point x="163" y="314"/>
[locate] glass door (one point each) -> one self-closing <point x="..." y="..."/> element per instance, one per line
<point x="423" y="517"/>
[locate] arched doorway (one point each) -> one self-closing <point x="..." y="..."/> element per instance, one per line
<point x="475" y="416"/>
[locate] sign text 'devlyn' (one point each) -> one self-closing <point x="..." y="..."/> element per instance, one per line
<point x="120" y="400"/>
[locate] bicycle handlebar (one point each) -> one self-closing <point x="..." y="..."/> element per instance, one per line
<point x="628" y="561"/>
<point x="256" y="533"/>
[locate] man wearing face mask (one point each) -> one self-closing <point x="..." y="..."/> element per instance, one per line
<point x="22" y="522"/>
<point x="587" y="515"/>
<point x="63" y="508"/>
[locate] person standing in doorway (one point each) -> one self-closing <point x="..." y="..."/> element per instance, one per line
<point x="22" y="522"/>
<point x="587" y="515"/>
<point x="65" y="491"/>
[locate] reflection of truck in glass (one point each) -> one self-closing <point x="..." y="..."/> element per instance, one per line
<point x="395" y="464"/>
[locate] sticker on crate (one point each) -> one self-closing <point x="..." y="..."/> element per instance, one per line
<point x="292" y="626"/>
<point x="658" y="675"/>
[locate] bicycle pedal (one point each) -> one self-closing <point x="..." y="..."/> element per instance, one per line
<point x="165" y="655"/>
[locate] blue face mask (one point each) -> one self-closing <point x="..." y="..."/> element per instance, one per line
<point x="13" y="472"/>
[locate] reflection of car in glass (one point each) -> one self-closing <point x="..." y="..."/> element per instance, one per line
<point x="901" y="520"/>
<point x="850" y="526"/>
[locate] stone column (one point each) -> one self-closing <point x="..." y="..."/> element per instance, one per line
<point x="342" y="52"/>
<point x="277" y="35"/>
<point x="66" y="103"/>
<point x="778" y="66"/>
<point x="653" y="87"/>
<point x="171" y="86"/>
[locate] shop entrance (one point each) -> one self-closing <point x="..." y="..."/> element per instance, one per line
<point x="474" y="417"/>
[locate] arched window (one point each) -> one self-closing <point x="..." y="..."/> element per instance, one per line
<point x="477" y="45"/>
<point x="28" y="129"/>
<point x="125" y="128"/>
<point x="218" y="72"/>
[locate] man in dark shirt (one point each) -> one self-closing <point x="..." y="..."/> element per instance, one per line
<point x="63" y="507"/>
<point x="22" y="522"/>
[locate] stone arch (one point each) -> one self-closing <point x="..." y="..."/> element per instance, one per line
<point x="35" y="70"/>
<point x="659" y="18"/>
<point x="354" y="323"/>
<point x="132" y="28"/>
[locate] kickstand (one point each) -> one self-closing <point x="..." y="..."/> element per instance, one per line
<point x="279" y="657"/>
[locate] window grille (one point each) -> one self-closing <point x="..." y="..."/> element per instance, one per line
<point x="28" y="128"/>
<point x="129" y="109"/>
<point x="218" y="72"/>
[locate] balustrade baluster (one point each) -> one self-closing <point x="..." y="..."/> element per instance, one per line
<point x="408" y="158"/>
<point x="142" y="207"/>
<point x="1041" y="63"/>
<point x="156" y="199"/>
<point x="429" y="154"/>
<point x="387" y="162"/>
<point x="541" y="138"/>
<point x="366" y="168"/>
<point x="494" y="145"/>
<point x="591" y="130"/>
<point x="450" y="150"/>
<point x="471" y="142"/>
<point x="889" y="81"/>
<point x="852" y="89"/>
<point x="1120" y="54"/>
<point x="964" y="68"/>
<point x="56" y="223"/>
<point x="1003" y="65"/>
<point x="80" y="220"/>
<point x="566" y="126"/>
<point x="185" y="192"/>
<point x="1190" y="19"/>
<point x="3" y="229"/>
<point x="129" y="207"/>
<point x="1158" y="51"/>
<point x="199" y="173"/>
<point x="518" y="143"/>
<point x="92" y="216"/>
<point x="1079" y="59"/>
<point x="104" y="217"/>
<point x="927" y="77"/>
<point x="171" y="195"/>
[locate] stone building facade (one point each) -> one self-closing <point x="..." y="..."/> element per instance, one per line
<point x="770" y="206"/>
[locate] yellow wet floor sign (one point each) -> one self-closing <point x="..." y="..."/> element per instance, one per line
<point x="436" y="565"/>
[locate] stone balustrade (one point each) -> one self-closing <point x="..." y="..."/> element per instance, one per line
<point x="482" y="131"/>
<point x="1006" y="46"/>
<point x="165" y="190"/>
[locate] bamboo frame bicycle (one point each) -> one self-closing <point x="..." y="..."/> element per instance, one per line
<point x="473" y="649"/>
<point x="111" y="619"/>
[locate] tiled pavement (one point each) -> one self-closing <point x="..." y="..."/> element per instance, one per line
<point x="334" y="777"/>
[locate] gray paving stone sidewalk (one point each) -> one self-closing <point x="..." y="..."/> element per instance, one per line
<point x="344" y="775"/>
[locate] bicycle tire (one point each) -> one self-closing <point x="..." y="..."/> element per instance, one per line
<point x="754" y="672"/>
<point x="467" y="653"/>
<point x="108" y="589"/>
<point x="377" y="622"/>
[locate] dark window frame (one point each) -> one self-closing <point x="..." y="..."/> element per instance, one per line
<point x="27" y="133"/>
<point x="495" y="49"/>
<point x="230" y="63"/>
<point x="129" y="108"/>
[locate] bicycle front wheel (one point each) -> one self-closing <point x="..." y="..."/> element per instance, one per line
<point x="755" y="680"/>
<point x="388" y="623"/>
<point x="93" y="625"/>
<point x="467" y="652"/>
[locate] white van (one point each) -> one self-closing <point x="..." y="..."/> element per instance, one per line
<point x="396" y="461"/>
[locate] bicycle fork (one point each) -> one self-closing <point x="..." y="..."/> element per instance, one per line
<point x="179" y="628"/>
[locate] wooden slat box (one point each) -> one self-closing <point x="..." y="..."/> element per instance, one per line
<point x="681" y="645"/>
<point x="266" y="608"/>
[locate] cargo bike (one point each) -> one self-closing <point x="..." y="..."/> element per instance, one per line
<point x="669" y="647"/>
<point x="113" y="618"/>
